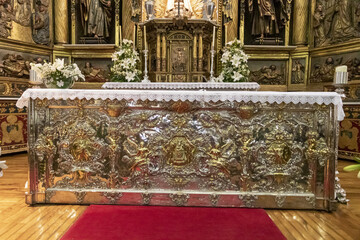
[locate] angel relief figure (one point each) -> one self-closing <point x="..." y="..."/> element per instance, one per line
<point x="185" y="8"/>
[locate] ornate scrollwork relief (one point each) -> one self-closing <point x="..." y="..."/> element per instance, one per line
<point x="207" y="147"/>
<point x="335" y="21"/>
<point x="80" y="195"/>
<point x="180" y="199"/>
<point x="214" y="199"/>
<point x="280" y="200"/>
<point x="248" y="200"/>
<point x="113" y="197"/>
<point x="146" y="197"/>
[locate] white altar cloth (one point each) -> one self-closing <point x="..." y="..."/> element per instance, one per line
<point x="326" y="98"/>
<point x="183" y="86"/>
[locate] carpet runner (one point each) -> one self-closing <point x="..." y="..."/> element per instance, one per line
<point x="172" y="223"/>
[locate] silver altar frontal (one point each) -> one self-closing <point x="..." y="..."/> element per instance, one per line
<point x="183" y="148"/>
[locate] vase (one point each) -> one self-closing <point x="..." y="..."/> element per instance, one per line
<point x="60" y="83"/>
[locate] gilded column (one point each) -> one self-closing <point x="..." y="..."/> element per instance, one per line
<point x="158" y="52"/>
<point x="201" y="52"/>
<point x="61" y="21"/>
<point x="163" y="65"/>
<point x="195" y="53"/>
<point x="300" y="22"/>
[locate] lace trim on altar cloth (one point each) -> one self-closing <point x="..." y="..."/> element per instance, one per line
<point x="326" y="98"/>
<point x="179" y="86"/>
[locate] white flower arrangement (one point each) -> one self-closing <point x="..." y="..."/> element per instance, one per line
<point x="58" y="74"/>
<point x="234" y="63"/>
<point x="126" y="61"/>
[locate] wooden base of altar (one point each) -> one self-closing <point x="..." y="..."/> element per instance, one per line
<point x="143" y="148"/>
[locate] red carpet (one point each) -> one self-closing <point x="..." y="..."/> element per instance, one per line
<point x="172" y="223"/>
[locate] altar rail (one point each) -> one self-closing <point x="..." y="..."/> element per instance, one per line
<point x="183" y="148"/>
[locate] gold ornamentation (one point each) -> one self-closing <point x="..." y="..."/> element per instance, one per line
<point x="279" y="151"/>
<point x="80" y="195"/>
<point x="179" y="151"/>
<point x="180" y="199"/>
<point x="248" y="200"/>
<point x="146" y="197"/>
<point x="48" y="195"/>
<point x="280" y="200"/>
<point x="169" y="9"/>
<point x="150" y="147"/>
<point x="113" y="197"/>
<point x="214" y="199"/>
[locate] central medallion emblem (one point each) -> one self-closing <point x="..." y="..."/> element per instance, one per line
<point x="179" y="151"/>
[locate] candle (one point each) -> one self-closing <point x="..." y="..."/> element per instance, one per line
<point x="120" y="32"/>
<point x="145" y="42"/>
<point x="341" y="68"/>
<point x="214" y="33"/>
<point x="341" y="75"/>
<point x="32" y="75"/>
<point x="134" y="37"/>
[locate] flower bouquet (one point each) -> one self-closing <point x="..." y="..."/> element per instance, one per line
<point x="234" y="63"/>
<point x="58" y="74"/>
<point x="126" y="61"/>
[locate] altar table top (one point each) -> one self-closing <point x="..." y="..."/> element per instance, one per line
<point x="326" y="98"/>
<point x="253" y="86"/>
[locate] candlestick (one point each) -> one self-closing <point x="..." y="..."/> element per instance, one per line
<point x="214" y="32"/>
<point x="146" y="77"/>
<point x="134" y="36"/>
<point x="145" y="41"/>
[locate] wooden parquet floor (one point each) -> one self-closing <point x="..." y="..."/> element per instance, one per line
<point x="20" y="221"/>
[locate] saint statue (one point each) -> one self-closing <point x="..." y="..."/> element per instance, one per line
<point x="96" y="17"/>
<point x="268" y="17"/>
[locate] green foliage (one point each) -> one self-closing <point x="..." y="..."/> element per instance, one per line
<point x="354" y="167"/>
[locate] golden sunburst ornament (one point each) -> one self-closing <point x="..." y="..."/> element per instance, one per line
<point x="165" y="8"/>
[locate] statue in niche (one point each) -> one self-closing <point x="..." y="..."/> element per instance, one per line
<point x="268" y="75"/>
<point x="96" y="17"/>
<point x="22" y="12"/>
<point x="135" y="10"/>
<point x="93" y="74"/>
<point x="227" y="11"/>
<point x="41" y="23"/>
<point x="268" y="17"/>
<point x="5" y="25"/>
<point x="179" y="61"/>
<point x="338" y="19"/>
<point x="319" y="17"/>
<point x="342" y="25"/>
<point x="298" y="72"/>
<point x="186" y="8"/>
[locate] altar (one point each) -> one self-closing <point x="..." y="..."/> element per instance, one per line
<point x="183" y="148"/>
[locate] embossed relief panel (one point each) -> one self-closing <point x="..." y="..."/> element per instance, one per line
<point x="323" y="68"/>
<point x="15" y="71"/>
<point x="272" y="72"/>
<point x="181" y="146"/>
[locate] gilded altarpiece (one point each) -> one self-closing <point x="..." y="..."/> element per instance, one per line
<point x="182" y="153"/>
